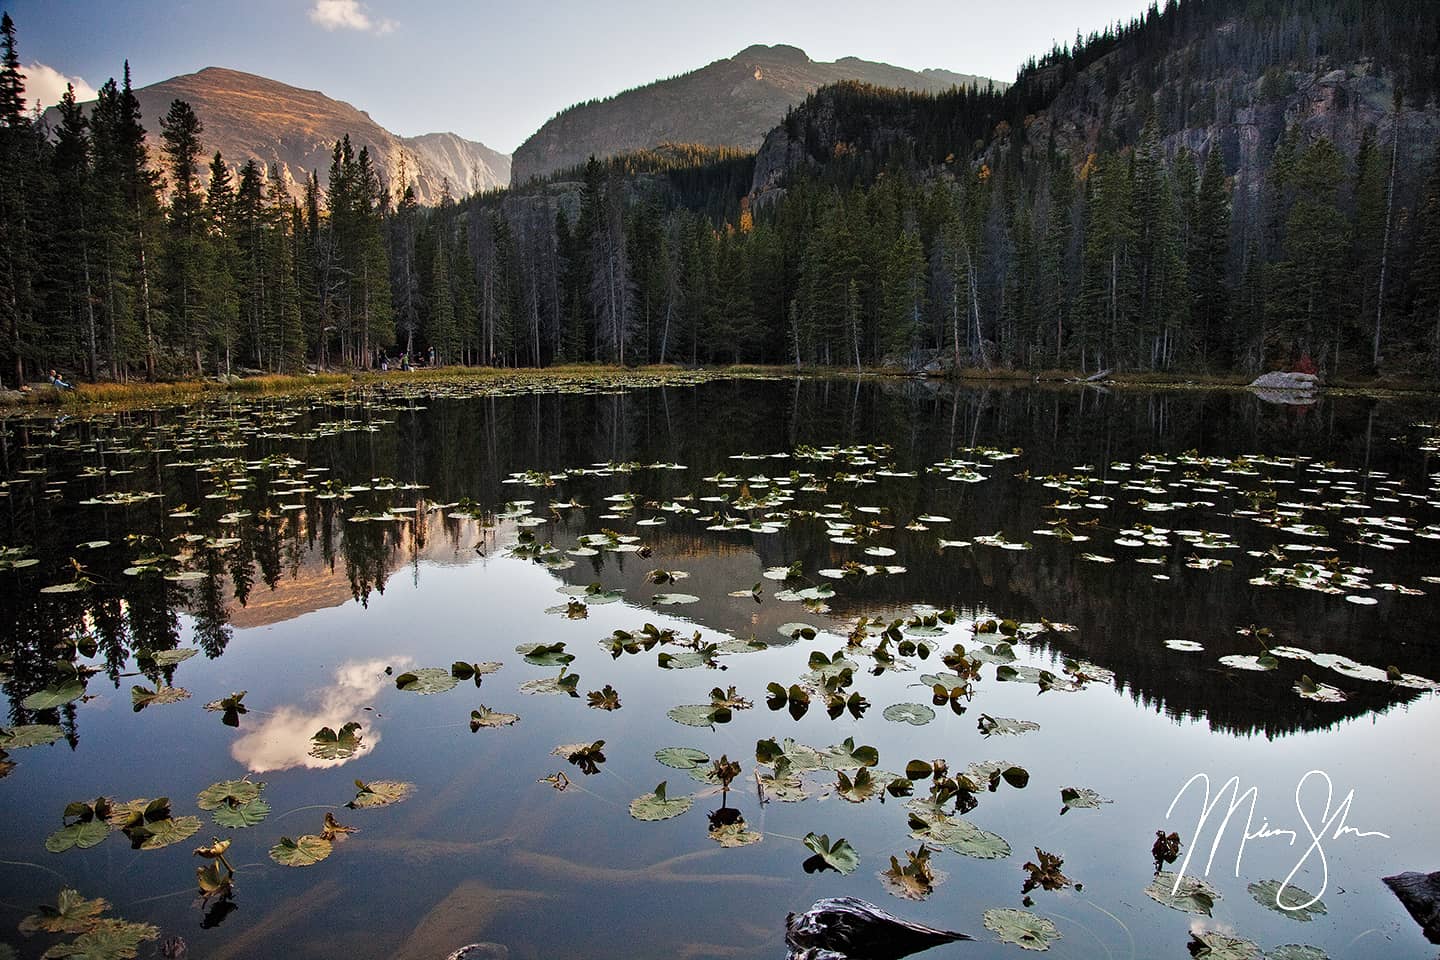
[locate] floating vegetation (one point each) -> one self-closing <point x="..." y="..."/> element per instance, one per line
<point x="1184" y="893"/>
<point x="657" y="805"/>
<point x="1022" y="928"/>
<point x="157" y="536"/>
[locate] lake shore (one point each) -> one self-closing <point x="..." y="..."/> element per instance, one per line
<point x="108" y="395"/>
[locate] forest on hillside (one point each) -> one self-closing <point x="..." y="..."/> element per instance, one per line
<point x="918" y="229"/>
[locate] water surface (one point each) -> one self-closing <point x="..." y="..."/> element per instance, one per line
<point x="286" y="595"/>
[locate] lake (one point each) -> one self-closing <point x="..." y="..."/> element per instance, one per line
<point x="953" y="626"/>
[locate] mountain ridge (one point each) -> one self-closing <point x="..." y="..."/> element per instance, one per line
<point x="733" y="101"/>
<point x="247" y="116"/>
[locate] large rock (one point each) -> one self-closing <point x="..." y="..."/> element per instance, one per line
<point x="1283" y="380"/>
<point x="1420" y="893"/>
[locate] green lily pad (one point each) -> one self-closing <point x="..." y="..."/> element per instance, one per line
<point x="862" y="787"/>
<point x="682" y="758"/>
<point x="163" y="832"/>
<point x="329" y="744"/>
<point x="142" y="697"/>
<point x="380" y="793"/>
<point x="545" y="654"/>
<point x="228" y="792"/>
<point x="426" y="680"/>
<point x="846" y="756"/>
<point x="1005" y="726"/>
<point x="72" y="913"/>
<point x="1189" y="895"/>
<point x="82" y="835"/>
<point x="238" y="816"/>
<point x="106" y="940"/>
<point x="797" y="631"/>
<point x="698" y="714"/>
<point x="657" y="806"/>
<point x="1081" y="798"/>
<point x="55" y="696"/>
<point x="485" y="717"/>
<point x="1218" y="946"/>
<point x="916" y="714"/>
<point x="167" y="658"/>
<point x="29" y="735"/>
<point x="961" y="836"/>
<point x="303" y="851"/>
<point x="1287" y="900"/>
<point x="837" y="856"/>
<point x="737" y="834"/>
<point x="1022" y="928"/>
<point x="673" y="599"/>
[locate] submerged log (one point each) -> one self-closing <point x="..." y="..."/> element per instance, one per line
<point x="847" y="928"/>
<point x="1420" y="894"/>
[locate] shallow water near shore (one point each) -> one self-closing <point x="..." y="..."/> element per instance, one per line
<point x="1165" y="584"/>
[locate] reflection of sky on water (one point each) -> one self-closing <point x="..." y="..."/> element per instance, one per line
<point x="283" y="739"/>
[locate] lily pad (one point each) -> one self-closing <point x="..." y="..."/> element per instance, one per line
<point x="916" y="714"/>
<point x="1005" y="726"/>
<point x="228" y="792"/>
<point x="657" y="806"/>
<point x="427" y="680"/>
<point x="80" y="835"/>
<point x="673" y="599"/>
<point x="961" y="836"/>
<point x="106" y="940"/>
<point x="164" y="832"/>
<point x="737" y="834"/>
<point x="682" y="758"/>
<point x="839" y="856"/>
<point x="1290" y="901"/>
<point x="1022" y="928"/>
<point x="698" y="714"/>
<point x="485" y="717"/>
<point x="1081" y="798"/>
<point x="1218" y="946"/>
<point x="1186" y="894"/>
<point x="238" y="816"/>
<point x="303" y="851"/>
<point x="328" y="744"/>
<point x="142" y="697"/>
<point x="55" y="696"/>
<point x="72" y="913"/>
<point x="380" y="793"/>
<point x="29" y="735"/>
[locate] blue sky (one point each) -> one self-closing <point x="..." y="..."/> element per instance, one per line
<point x="495" y="71"/>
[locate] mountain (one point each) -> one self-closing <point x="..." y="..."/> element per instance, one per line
<point x="250" y="117"/>
<point x="1219" y="73"/>
<point x="731" y="102"/>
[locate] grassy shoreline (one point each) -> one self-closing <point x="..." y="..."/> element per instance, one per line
<point x="120" y="396"/>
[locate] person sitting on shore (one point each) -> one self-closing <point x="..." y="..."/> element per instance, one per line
<point x="58" y="383"/>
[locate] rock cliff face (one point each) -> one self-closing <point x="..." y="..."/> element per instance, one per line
<point x="1244" y="108"/>
<point x="250" y="117"/>
<point x="731" y="102"/>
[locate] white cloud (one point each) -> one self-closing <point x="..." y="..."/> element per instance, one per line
<point x="46" y="85"/>
<point x="347" y="15"/>
<point x="283" y="739"/>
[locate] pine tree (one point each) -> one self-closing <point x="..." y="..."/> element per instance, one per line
<point x="1208" y="251"/>
<point x="185" y="250"/>
<point x="74" y="231"/>
<point x="19" y="228"/>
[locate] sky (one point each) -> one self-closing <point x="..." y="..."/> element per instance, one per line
<point x="495" y="71"/>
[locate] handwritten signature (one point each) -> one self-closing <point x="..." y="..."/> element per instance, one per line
<point x="1331" y="825"/>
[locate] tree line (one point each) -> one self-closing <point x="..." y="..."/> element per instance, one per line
<point x="958" y="244"/>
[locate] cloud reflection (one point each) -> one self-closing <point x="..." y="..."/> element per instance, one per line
<point x="282" y="740"/>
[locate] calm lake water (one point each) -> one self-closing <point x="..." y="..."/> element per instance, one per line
<point x="314" y="552"/>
